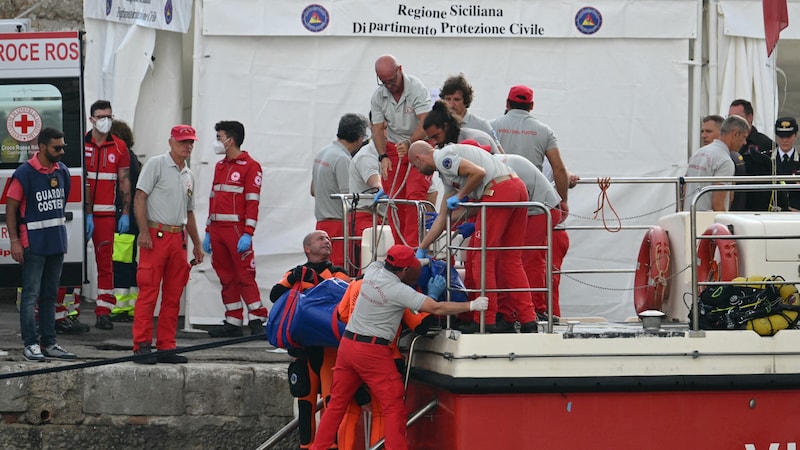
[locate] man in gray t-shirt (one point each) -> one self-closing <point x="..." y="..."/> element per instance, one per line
<point x="331" y="175"/>
<point x="364" y="354"/>
<point x="714" y="160"/>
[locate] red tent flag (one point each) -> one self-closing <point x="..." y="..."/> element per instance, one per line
<point x="776" y="18"/>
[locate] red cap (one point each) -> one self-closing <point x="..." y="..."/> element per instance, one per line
<point x="183" y="133"/>
<point x="475" y="143"/>
<point x="520" y="94"/>
<point x="402" y="256"/>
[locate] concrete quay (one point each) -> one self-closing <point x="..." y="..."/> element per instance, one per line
<point x="231" y="397"/>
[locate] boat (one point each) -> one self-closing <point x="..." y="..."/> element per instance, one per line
<point x="589" y="383"/>
<point x="654" y="381"/>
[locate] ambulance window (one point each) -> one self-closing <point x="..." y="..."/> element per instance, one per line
<point x="25" y="109"/>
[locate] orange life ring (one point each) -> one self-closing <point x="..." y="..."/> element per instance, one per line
<point x="708" y="267"/>
<point x="651" y="287"/>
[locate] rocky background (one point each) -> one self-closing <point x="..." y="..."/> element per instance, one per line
<point x="45" y="15"/>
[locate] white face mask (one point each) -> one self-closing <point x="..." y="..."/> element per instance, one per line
<point x="103" y="125"/>
<point x="219" y="147"/>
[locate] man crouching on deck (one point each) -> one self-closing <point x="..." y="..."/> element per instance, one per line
<point x="364" y="353"/>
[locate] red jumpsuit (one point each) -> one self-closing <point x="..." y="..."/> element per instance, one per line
<point x="102" y="162"/>
<point x="415" y="187"/>
<point x="233" y="211"/>
<point x="505" y="227"/>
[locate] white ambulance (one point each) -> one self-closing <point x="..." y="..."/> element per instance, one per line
<point x="41" y="85"/>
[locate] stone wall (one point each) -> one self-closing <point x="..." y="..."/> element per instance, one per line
<point x="46" y="15"/>
<point x="130" y="406"/>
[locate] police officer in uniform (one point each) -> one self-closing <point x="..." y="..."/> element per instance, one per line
<point x="786" y="161"/>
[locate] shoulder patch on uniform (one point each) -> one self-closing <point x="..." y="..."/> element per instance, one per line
<point x="447" y="163"/>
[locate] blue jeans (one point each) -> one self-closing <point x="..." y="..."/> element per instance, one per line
<point x="40" y="278"/>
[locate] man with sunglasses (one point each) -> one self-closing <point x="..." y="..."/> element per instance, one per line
<point x="107" y="163"/>
<point x="37" y="198"/>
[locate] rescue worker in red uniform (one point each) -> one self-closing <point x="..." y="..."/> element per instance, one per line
<point x="107" y="164"/>
<point x="232" y="220"/>
<point x="364" y="355"/>
<point x="469" y="172"/>
<point x="319" y="360"/>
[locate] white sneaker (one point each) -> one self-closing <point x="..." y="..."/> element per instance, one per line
<point x="56" y="351"/>
<point x="33" y="353"/>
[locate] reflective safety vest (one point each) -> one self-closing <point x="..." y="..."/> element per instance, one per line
<point x="45" y="200"/>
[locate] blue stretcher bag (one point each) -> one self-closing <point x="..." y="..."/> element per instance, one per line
<point x="316" y="322"/>
<point x="438" y="267"/>
<point x="281" y="316"/>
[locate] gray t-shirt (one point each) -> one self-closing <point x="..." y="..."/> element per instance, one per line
<point x="472" y="121"/>
<point x="713" y="160"/>
<point x="381" y="302"/>
<point x="539" y="187"/>
<point x="401" y="115"/>
<point x="520" y="134"/>
<point x="330" y="175"/>
<point x="363" y="166"/>
<point x="170" y="190"/>
<point x="449" y="158"/>
<point x="481" y="137"/>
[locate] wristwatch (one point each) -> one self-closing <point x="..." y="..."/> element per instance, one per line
<point x="381" y="157"/>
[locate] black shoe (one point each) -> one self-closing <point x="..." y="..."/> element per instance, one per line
<point x="501" y="327"/>
<point x="79" y="326"/>
<point x="529" y="327"/>
<point x="469" y="328"/>
<point x="121" y="317"/>
<point x="104" y="322"/>
<point x="145" y="348"/>
<point x="171" y="358"/>
<point x="69" y="326"/>
<point x="226" y="330"/>
<point x="257" y="328"/>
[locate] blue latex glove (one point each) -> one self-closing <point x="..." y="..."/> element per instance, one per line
<point x="207" y="243"/>
<point x="378" y="195"/>
<point x="244" y="243"/>
<point x="429" y="218"/>
<point x="421" y="253"/>
<point x="436" y="286"/>
<point x="124" y="224"/>
<point x="89" y="226"/>
<point x="466" y="229"/>
<point x="452" y="202"/>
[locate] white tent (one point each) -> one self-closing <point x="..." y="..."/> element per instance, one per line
<point x="616" y="82"/>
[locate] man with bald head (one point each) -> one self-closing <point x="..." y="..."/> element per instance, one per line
<point x="468" y="172"/>
<point x="399" y="105"/>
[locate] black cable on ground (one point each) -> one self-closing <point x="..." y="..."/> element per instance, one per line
<point x="104" y="362"/>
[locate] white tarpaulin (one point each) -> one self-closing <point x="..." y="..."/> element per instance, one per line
<point x="612" y="79"/>
<point x="618" y="101"/>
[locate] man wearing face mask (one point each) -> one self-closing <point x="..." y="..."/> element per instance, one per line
<point x="107" y="163"/>
<point x="232" y="220"/>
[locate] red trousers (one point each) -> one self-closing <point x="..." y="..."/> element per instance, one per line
<point x="415" y="187"/>
<point x="535" y="261"/>
<point x="357" y="363"/>
<point x="164" y="266"/>
<point x="103" y="239"/>
<point x="505" y="227"/>
<point x="237" y="275"/>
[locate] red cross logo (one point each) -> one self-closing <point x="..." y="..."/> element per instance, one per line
<point x="24" y="124"/>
